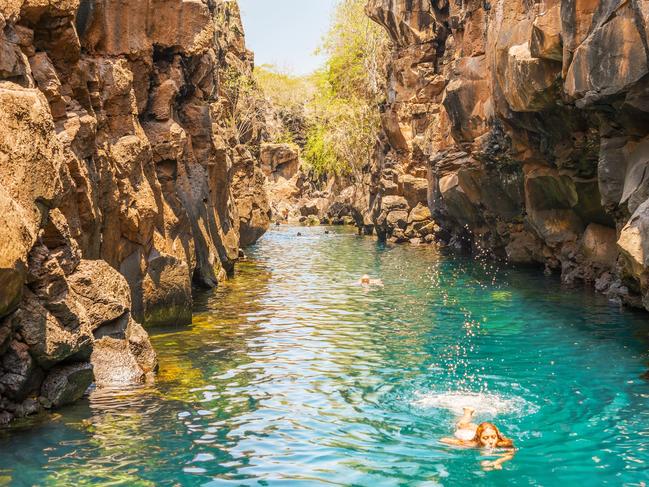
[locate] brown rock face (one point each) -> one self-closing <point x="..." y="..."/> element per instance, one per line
<point x="252" y="204"/>
<point x="122" y="182"/>
<point x="299" y="196"/>
<point x="280" y="160"/>
<point x="528" y="123"/>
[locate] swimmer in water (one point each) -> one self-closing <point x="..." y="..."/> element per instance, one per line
<point x="484" y="435"/>
<point x="365" y="281"/>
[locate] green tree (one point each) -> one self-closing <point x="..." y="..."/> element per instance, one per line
<point x="289" y="96"/>
<point x="338" y="105"/>
<point x="349" y="90"/>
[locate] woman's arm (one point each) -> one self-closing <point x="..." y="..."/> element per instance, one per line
<point x="456" y="442"/>
<point x="498" y="464"/>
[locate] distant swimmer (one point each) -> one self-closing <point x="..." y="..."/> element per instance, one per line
<point x="484" y="435"/>
<point x="366" y="281"/>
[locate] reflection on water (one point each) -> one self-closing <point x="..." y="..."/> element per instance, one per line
<point x="292" y="375"/>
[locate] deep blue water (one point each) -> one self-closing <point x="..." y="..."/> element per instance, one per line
<point x="293" y="375"/>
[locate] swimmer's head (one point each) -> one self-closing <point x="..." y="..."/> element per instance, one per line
<point x="488" y="436"/>
<point x="365" y="279"/>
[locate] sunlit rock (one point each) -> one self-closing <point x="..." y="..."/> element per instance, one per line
<point x="611" y="58"/>
<point x="280" y="160"/>
<point x="546" y="39"/>
<point x="633" y="242"/>
<point x="121" y="181"/>
<point x="529" y="123"/>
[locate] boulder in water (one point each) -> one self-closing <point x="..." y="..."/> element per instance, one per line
<point x="66" y="384"/>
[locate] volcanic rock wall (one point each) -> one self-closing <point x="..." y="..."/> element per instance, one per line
<point x="122" y="181"/>
<point x="524" y="124"/>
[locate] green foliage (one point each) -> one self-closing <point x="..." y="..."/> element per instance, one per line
<point x="245" y="105"/>
<point x="340" y="102"/>
<point x="357" y="53"/>
<point x="284" y="137"/>
<point x="319" y="154"/>
<point x="286" y="92"/>
<point x="289" y="97"/>
<point x="349" y="90"/>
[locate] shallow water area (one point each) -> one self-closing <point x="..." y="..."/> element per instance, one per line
<point x="291" y="374"/>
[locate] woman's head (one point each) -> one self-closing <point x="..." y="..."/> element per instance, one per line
<point x="365" y="279"/>
<point x="488" y="436"/>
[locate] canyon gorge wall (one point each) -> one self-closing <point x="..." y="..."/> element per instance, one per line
<point x="124" y="179"/>
<point x="523" y="126"/>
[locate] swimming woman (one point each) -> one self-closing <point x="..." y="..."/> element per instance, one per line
<point x="366" y="281"/>
<point x="485" y="435"/>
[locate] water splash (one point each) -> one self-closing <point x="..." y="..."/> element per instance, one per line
<point x="485" y="404"/>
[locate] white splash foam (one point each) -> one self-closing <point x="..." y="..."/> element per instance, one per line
<point x="483" y="403"/>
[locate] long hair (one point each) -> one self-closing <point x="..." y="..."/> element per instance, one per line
<point x="503" y="442"/>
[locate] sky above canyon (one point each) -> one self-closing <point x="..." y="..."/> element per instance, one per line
<point x="286" y="33"/>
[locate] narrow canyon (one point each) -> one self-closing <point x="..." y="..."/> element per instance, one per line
<point x="136" y="166"/>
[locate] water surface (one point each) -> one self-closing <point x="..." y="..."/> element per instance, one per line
<point x="292" y="375"/>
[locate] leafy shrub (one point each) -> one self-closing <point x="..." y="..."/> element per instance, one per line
<point x="338" y="103"/>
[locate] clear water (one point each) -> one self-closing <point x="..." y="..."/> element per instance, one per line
<point x="291" y="375"/>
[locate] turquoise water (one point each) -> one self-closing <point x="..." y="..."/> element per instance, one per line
<point x="292" y="375"/>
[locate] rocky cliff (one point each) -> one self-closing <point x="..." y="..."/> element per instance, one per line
<point x="523" y="126"/>
<point x="123" y="180"/>
<point x="299" y="196"/>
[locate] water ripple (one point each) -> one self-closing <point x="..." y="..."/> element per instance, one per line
<point x="291" y="374"/>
